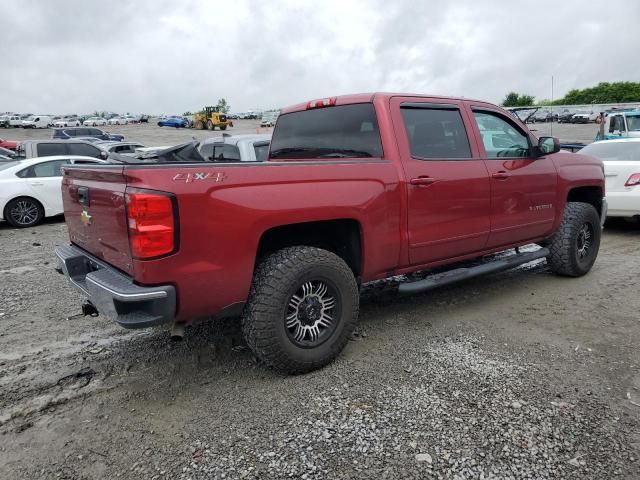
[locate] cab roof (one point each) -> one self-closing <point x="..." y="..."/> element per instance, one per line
<point x="369" y="97"/>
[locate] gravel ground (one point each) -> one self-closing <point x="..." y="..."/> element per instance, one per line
<point x="151" y="135"/>
<point x="518" y="375"/>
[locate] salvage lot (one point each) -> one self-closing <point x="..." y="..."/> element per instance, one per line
<point x="521" y="374"/>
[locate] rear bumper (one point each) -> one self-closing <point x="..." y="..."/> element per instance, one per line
<point x="624" y="204"/>
<point x="113" y="293"/>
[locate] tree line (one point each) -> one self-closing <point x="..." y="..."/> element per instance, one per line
<point x="604" y="92"/>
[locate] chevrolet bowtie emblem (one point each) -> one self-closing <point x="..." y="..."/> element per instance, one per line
<point x="85" y="218"/>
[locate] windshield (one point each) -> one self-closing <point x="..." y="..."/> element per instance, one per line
<point x="348" y="131"/>
<point x="633" y="123"/>
<point x="613" y="150"/>
<point x="4" y="166"/>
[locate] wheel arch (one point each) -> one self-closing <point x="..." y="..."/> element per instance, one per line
<point x="592" y="195"/>
<point x="340" y="236"/>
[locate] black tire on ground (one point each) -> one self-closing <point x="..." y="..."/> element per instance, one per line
<point x="574" y="247"/>
<point x="23" y="212"/>
<point x="223" y="127"/>
<point x="302" y="309"/>
<point x="210" y="125"/>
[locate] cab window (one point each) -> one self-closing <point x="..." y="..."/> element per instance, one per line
<point x="500" y="137"/>
<point x="435" y="133"/>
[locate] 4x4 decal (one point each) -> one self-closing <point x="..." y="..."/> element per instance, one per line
<point x="192" y="177"/>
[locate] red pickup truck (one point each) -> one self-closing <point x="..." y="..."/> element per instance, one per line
<point x="356" y="188"/>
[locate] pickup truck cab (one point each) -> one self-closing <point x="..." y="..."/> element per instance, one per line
<point x="356" y="188"/>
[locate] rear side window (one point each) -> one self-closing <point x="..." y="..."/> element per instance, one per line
<point x="95" y="131"/>
<point x="435" y="133"/>
<point x="348" y="131"/>
<point x="220" y="152"/>
<point x="43" y="170"/>
<point x="262" y="151"/>
<point x="50" y="149"/>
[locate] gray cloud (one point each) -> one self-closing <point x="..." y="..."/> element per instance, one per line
<point x="167" y="57"/>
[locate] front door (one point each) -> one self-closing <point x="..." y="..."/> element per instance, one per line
<point x="448" y="197"/>
<point x="523" y="186"/>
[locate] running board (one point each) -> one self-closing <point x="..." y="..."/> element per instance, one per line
<point x="459" y="274"/>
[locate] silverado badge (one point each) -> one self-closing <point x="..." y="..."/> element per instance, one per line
<point x="85" y="218"/>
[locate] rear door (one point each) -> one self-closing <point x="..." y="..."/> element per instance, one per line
<point x="447" y="183"/>
<point x="523" y="187"/>
<point x="43" y="179"/>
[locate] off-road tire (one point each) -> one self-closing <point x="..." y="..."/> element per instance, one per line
<point x="277" y="278"/>
<point x="33" y="203"/>
<point x="564" y="244"/>
<point x="210" y="125"/>
<point x="223" y="127"/>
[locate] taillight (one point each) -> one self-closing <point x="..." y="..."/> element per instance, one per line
<point x="324" y="102"/>
<point x="633" y="180"/>
<point x="152" y="224"/>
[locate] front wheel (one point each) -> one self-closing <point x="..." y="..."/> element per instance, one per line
<point x="574" y="247"/>
<point x="302" y="308"/>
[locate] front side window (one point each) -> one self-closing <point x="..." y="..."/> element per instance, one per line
<point x="347" y="131"/>
<point x="220" y="152"/>
<point x="501" y="139"/>
<point x="84" y="150"/>
<point x="435" y="133"/>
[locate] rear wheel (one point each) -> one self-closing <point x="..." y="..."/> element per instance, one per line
<point x="574" y="247"/>
<point x="210" y="125"/>
<point x="23" y="212"/>
<point x="302" y="308"/>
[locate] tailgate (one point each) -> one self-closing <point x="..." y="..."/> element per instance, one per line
<point x="94" y="209"/>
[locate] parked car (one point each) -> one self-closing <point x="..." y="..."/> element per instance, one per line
<point x="621" y="159"/>
<point x="144" y="119"/>
<point x="48" y="148"/>
<point x="94" y="122"/>
<point x="228" y="148"/>
<point x="174" y="122"/>
<point x="37" y="121"/>
<point x="116" y="121"/>
<point x="584" y="117"/>
<point x="10" y="144"/>
<point x="356" y="188"/>
<point x="5" y="152"/>
<point x="543" y="116"/>
<point x="73" y="132"/>
<point x="565" y="116"/>
<point x="67" y="122"/>
<point x="10" y="121"/>
<point x="122" y="148"/>
<point x="131" y="119"/>
<point x="30" y="189"/>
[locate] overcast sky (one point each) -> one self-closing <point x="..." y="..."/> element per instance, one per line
<point x="157" y="56"/>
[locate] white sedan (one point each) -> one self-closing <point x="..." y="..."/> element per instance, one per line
<point x="94" y="122"/>
<point x="621" y="159"/>
<point x="67" y="122"/>
<point x="32" y="189"/>
<point x="117" y="121"/>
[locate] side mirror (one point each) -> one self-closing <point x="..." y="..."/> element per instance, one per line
<point x="548" y="145"/>
<point x="104" y="155"/>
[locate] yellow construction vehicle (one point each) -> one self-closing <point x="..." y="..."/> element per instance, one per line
<point x="209" y="118"/>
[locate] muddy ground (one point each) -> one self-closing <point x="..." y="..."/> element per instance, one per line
<point x="516" y="375"/>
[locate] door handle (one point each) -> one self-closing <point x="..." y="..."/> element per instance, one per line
<point x="37" y="184"/>
<point x="422" y="181"/>
<point x="501" y="175"/>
